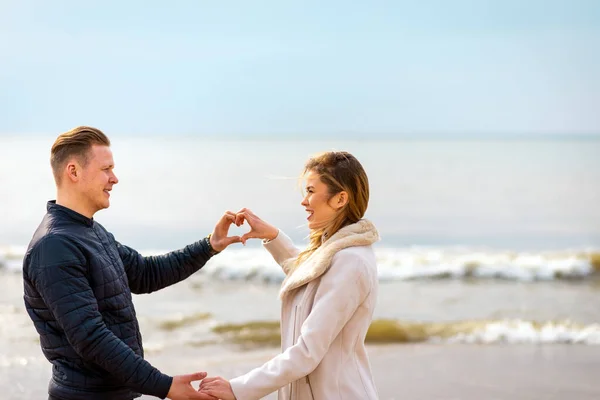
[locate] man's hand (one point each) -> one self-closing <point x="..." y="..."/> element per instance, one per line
<point x="219" y="239"/>
<point x="181" y="388"/>
<point x="218" y="387"/>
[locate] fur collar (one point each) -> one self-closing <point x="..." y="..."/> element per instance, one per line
<point x="361" y="233"/>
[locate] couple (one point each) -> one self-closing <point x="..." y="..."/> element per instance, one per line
<point x="78" y="281"/>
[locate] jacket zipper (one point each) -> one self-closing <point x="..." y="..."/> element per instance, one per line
<point x="295" y="321"/>
<point x="312" y="395"/>
<point x="294" y="342"/>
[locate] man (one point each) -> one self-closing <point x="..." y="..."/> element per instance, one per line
<point x="78" y="282"/>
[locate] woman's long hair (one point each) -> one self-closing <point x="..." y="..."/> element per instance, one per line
<point x="340" y="171"/>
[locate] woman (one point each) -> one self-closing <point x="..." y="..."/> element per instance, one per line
<point x="328" y="295"/>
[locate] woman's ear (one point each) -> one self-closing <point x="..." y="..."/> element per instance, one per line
<point x="340" y="200"/>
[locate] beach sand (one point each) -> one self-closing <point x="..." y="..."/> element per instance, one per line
<point x="414" y="371"/>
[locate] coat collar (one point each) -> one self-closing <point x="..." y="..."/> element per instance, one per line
<point x="74" y="216"/>
<point x="361" y="233"/>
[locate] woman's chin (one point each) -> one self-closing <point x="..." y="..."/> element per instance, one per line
<point x="313" y="225"/>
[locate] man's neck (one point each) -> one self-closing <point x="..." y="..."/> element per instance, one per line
<point x="71" y="202"/>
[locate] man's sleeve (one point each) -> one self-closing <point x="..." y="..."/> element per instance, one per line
<point x="152" y="273"/>
<point x="58" y="273"/>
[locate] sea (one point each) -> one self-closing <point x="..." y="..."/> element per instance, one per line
<point x="483" y="242"/>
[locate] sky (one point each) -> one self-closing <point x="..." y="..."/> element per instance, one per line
<point x="256" y="68"/>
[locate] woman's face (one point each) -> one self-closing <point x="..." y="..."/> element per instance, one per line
<point x="318" y="202"/>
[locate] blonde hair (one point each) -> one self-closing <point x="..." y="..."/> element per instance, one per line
<point x="340" y="171"/>
<point x="74" y="143"/>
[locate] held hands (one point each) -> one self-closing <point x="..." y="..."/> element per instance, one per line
<point x="259" y="229"/>
<point x="182" y="389"/>
<point x="217" y="387"/>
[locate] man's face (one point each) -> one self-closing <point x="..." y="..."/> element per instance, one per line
<point x="98" y="178"/>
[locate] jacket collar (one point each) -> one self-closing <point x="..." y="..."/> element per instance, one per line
<point x="361" y="233"/>
<point x="74" y="216"/>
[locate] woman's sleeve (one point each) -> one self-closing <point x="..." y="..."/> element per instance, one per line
<point x="282" y="248"/>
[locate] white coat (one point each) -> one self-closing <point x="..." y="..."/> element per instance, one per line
<point x="327" y="308"/>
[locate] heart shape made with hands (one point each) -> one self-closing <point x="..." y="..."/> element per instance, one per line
<point x="243" y="226"/>
<point x="239" y="230"/>
<point x="259" y="229"/>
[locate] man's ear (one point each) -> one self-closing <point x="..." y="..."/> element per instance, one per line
<point x="72" y="169"/>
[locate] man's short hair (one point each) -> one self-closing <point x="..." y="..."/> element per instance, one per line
<point x="75" y="143"/>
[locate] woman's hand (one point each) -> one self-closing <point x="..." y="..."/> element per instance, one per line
<point x="259" y="229"/>
<point x="217" y="387"/>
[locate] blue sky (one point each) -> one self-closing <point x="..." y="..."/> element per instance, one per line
<point x="303" y="68"/>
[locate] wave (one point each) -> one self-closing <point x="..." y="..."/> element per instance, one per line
<point x="499" y="331"/>
<point x="407" y="263"/>
<point x="419" y="263"/>
<point x="430" y="263"/>
<point x="260" y="333"/>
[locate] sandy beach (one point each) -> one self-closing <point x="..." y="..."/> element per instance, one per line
<point x="415" y="371"/>
<point x="516" y="364"/>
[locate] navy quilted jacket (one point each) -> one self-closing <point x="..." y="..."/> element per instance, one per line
<point x="78" y="283"/>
